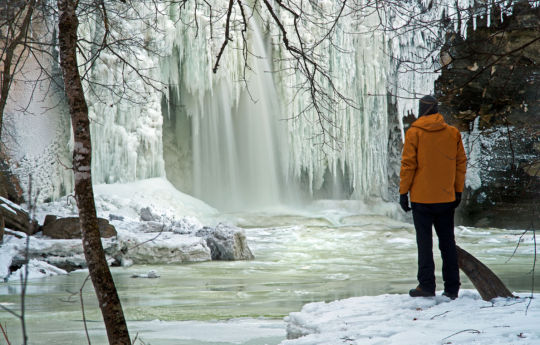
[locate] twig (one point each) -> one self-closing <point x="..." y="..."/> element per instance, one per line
<point x="227" y="37"/>
<point x="441" y="314"/>
<point x="150" y="240"/>
<point x="517" y="246"/>
<point x="82" y="309"/>
<point x="473" y="331"/>
<point x="5" y="334"/>
<point x="135" y="339"/>
<point x="533" y="270"/>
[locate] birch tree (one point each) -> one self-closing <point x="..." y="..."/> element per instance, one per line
<point x="109" y="302"/>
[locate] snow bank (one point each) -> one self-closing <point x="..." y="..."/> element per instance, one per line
<point x="400" y="319"/>
<point x="127" y="199"/>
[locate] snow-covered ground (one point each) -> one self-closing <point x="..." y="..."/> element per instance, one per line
<point x="402" y="320"/>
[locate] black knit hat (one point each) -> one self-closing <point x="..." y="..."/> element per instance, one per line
<point x="427" y="106"/>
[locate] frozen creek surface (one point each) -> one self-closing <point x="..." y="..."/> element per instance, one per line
<point x="299" y="258"/>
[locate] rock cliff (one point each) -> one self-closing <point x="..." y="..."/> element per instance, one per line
<point x="490" y="89"/>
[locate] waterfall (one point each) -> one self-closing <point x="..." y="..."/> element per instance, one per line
<point x="238" y="142"/>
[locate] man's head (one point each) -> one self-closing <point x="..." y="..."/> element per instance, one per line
<point x="428" y="105"/>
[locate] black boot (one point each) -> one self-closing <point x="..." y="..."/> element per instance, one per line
<point x="450" y="295"/>
<point x="419" y="292"/>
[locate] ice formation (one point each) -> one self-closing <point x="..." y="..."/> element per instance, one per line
<point x="122" y="92"/>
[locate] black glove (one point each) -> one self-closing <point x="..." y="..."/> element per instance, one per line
<point x="404" y="202"/>
<point x="458" y="199"/>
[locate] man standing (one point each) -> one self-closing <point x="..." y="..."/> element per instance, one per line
<point x="433" y="169"/>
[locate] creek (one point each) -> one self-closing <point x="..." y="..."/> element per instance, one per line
<point x="299" y="258"/>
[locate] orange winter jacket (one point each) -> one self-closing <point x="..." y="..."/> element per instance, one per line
<point x="433" y="162"/>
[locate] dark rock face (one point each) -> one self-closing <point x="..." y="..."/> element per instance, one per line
<point x="69" y="228"/>
<point x="10" y="187"/>
<point x="491" y="90"/>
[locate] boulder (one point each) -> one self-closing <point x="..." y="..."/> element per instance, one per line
<point x="226" y="242"/>
<point x="49" y="219"/>
<point x="69" y="228"/>
<point x="147" y="215"/>
<point x="116" y="217"/>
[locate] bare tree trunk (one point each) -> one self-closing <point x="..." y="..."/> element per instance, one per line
<point x="484" y="280"/>
<point x="107" y="295"/>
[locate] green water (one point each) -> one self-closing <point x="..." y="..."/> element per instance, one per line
<point x="298" y="259"/>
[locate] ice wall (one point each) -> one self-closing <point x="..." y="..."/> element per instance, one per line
<point x="123" y="92"/>
<point x="355" y="160"/>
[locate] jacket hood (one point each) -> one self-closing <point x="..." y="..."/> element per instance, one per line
<point x="430" y="123"/>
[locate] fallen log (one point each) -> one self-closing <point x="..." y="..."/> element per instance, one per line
<point x="484" y="280"/>
<point x="16" y="218"/>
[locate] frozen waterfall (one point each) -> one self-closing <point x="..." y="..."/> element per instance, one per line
<point x="239" y="143"/>
<point x="243" y="141"/>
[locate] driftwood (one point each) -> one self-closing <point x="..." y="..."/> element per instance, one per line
<point x="484" y="280"/>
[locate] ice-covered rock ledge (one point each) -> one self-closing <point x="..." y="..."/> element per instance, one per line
<point x="402" y="320"/>
<point x="155" y="224"/>
<point x="135" y="243"/>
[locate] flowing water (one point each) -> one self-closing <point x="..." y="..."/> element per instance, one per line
<point x="299" y="258"/>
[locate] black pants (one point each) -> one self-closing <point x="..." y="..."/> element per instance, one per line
<point x="442" y="217"/>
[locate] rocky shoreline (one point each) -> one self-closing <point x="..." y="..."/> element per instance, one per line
<point x="55" y="246"/>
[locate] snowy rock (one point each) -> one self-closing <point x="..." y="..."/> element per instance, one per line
<point x="160" y="248"/>
<point x="37" y="269"/>
<point x="151" y="274"/>
<point x="115" y="217"/>
<point x="70" y="228"/>
<point x="147" y="214"/>
<point x="66" y="254"/>
<point x="186" y="225"/>
<point x="226" y="242"/>
<point x="151" y="226"/>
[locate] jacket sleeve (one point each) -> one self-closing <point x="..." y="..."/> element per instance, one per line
<point x="461" y="166"/>
<point x="408" y="162"/>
